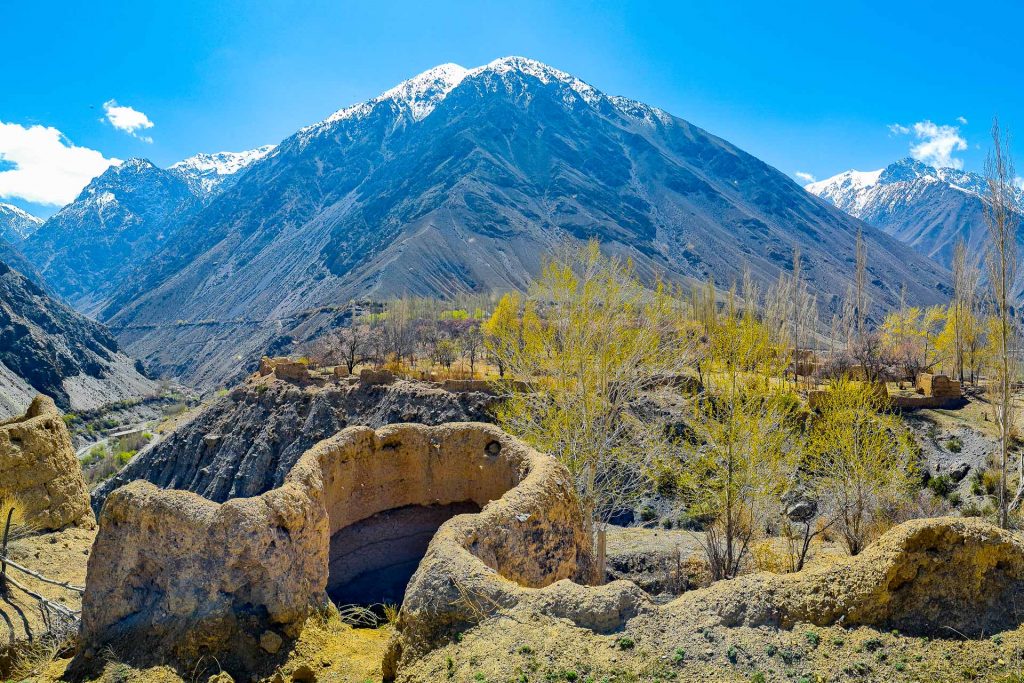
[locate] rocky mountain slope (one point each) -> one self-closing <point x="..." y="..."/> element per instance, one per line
<point x="461" y="180"/>
<point x="45" y="347"/>
<point x="16" y="224"/>
<point x="244" y="443"/>
<point x="122" y="217"/>
<point x="11" y="255"/>
<point x="928" y="208"/>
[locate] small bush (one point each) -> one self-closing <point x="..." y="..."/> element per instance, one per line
<point x="954" y="444"/>
<point x="971" y="510"/>
<point x="625" y="643"/>
<point x="769" y="557"/>
<point x="941" y="485"/>
<point x="679" y="655"/>
<point x="990" y="481"/>
<point x="977" y="486"/>
<point x="813" y="639"/>
<point x="648" y="513"/>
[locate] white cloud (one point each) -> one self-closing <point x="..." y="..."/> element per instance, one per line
<point x="1019" y="182"/>
<point x="38" y="164"/>
<point x="937" y="143"/>
<point x="804" y="176"/>
<point x="127" y="119"/>
<point x="962" y="120"/>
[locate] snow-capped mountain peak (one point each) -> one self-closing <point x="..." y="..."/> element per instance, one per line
<point x="847" y="189"/>
<point x="16" y="224"/>
<point x="209" y="171"/>
<point x="542" y="72"/>
<point x="419" y="96"/>
<point x="929" y="208"/>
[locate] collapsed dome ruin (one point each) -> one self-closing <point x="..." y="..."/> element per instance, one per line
<point x="174" y="576"/>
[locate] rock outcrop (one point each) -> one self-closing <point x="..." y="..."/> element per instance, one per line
<point x="246" y="442"/>
<point x="174" y="577"/>
<point x="38" y="465"/>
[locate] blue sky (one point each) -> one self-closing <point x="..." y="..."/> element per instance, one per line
<point x="811" y="87"/>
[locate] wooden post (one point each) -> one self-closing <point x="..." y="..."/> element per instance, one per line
<point x="602" y="538"/>
<point x="3" y="551"/>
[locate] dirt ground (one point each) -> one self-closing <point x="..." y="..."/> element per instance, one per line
<point x="61" y="556"/>
<point x="327" y="651"/>
<point x="530" y="648"/>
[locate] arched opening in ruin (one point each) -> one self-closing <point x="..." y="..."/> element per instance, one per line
<point x="372" y="560"/>
<point x="386" y="500"/>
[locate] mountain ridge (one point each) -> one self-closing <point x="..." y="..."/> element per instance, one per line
<point x="121" y="218"/>
<point x="437" y="187"/>
<point x="929" y="208"/>
<point x="46" y="347"/>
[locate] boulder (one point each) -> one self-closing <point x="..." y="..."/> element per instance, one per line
<point x="959" y="472"/>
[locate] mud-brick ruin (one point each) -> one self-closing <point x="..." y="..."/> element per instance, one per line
<point x="39" y="467"/>
<point x="174" y="576"/>
<point x="461" y="521"/>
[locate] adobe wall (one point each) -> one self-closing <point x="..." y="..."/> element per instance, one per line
<point x="174" y="577"/>
<point x="38" y="465"/>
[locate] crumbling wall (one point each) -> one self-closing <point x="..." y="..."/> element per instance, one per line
<point x="372" y="377"/>
<point x="38" y="465"/>
<point x="174" y="577"/>
<point x="529" y="546"/>
<point x="939" y="386"/>
<point x="284" y="368"/>
<point x="927" y="577"/>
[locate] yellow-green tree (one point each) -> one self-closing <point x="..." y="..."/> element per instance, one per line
<point x="857" y="457"/>
<point x="911" y="337"/>
<point x="741" y="469"/>
<point x="743" y="460"/>
<point x="587" y="339"/>
<point x="503" y="330"/>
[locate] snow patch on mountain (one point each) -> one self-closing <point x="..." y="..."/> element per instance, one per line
<point x="17" y="224"/>
<point x="847" y="190"/>
<point x="521" y="66"/>
<point x="208" y="172"/>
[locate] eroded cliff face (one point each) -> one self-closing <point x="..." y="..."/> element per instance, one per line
<point x="245" y="443"/>
<point x="45" y="347"/>
<point x="38" y="465"/>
